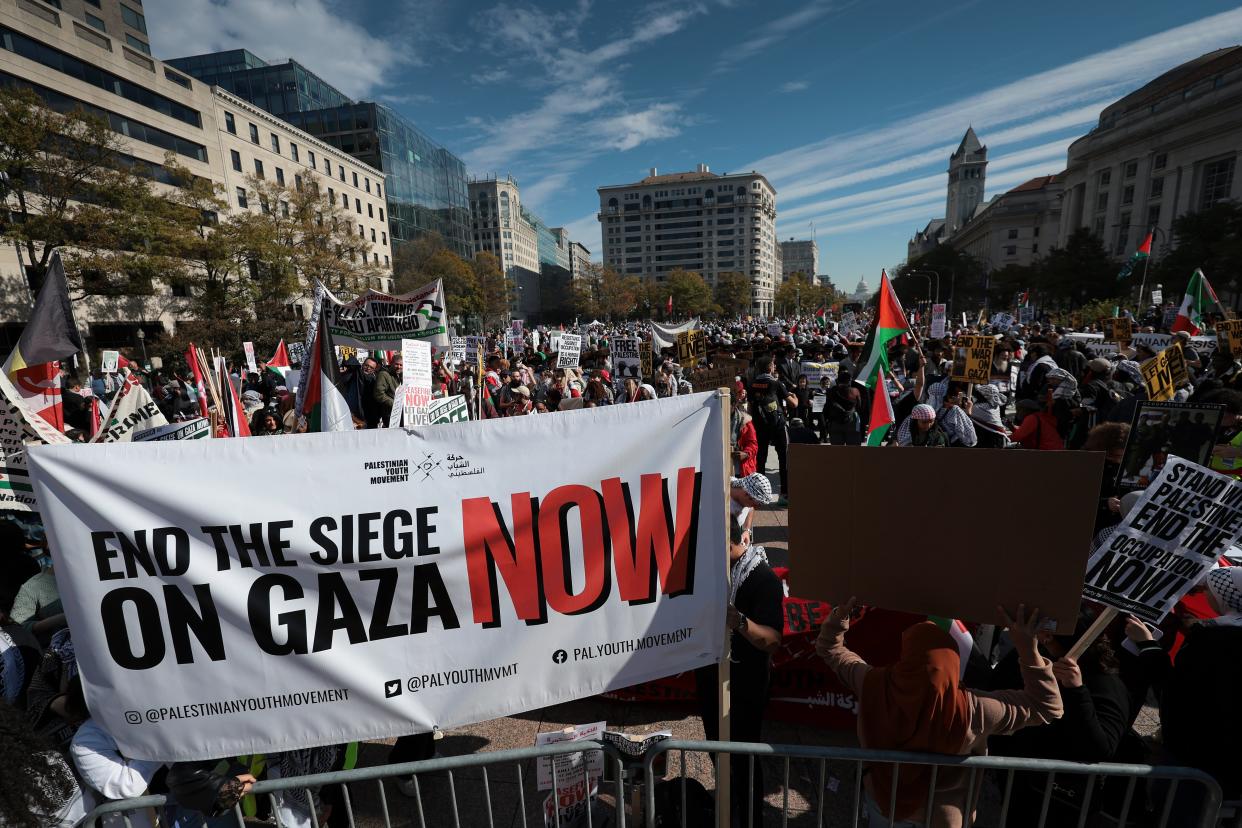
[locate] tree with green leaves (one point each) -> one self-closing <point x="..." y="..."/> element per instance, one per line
<point x="427" y="258"/>
<point x="1210" y="240"/>
<point x="797" y="293"/>
<point x="70" y="187"/>
<point x="732" y="293"/>
<point x="691" y="295"/>
<point x="496" y="291"/>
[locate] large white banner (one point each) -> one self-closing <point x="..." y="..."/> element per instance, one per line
<point x="378" y="321"/>
<point x="230" y="597"/>
<point x="665" y="336"/>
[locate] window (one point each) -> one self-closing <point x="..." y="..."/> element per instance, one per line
<point x="293" y="151"/>
<point x="1131" y="169"/>
<point x="94" y="3"/>
<point x="1098" y="227"/>
<point x="370" y="210"/>
<point x="265" y="207"/>
<point x="241" y="197"/>
<point x="133" y="19"/>
<point x="327" y="166"/>
<point x="381" y="214"/>
<point x="236" y="156"/>
<point x="230" y="123"/>
<point x="341" y="170"/>
<point x="258" y="168"/>
<point x="372" y="235"/>
<point x="345" y="200"/>
<point x="254" y="134"/>
<point x="377" y="191"/>
<point x="96" y="22"/>
<point x="367" y="181"/>
<point x="1013" y="233"/>
<point x="384" y="236"/>
<point x="1101" y="201"/>
<point x="385" y="261"/>
<point x="358" y="206"/>
<point x="1123" y="233"/>
<point x="297" y="182"/>
<point x="1159" y="162"/>
<point x="1157" y="188"/>
<point x="284" y="209"/>
<point x="1127" y="194"/>
<point x="1036" y="233"/>
<point x="1034" y="248"/>
<point x="355" y="179"/>
<point x="1153" y="215"/>
<point x="275" y="143"/>
<point x="1106" y="177"/>
<point x="376" y="255"/>
<point x="140" y="45"/>
<point x="1217" y="182"/>
<point x="310" y="159"/>
<point x="332" y="195"/>
<point x="362" y="233"/>
<point x="280" y="176"/>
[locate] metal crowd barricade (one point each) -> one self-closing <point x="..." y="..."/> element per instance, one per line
<point x="418" y="772"/>
<point x="1161" y="784"/>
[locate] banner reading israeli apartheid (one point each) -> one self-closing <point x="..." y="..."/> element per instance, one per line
<point x="378" y="321"/>
<point x="400" y="581"/>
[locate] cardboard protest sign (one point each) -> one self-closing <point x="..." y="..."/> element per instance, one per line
<point x="1160" y="429"/>
<point x="457" y="347"/>
<point x="962" y="574"/>
<point x="972" y="358"/>
<point x="1157" y="297"/>
<point x="1176" y="359"/>
<point x="1119" y="329"/>
<point x="346" y="352"/>
<point x="1188" y="517"/>
<point x="644" y="360"/>
<point x="938" y="321"/>
<point x="476" y="348"/>
<point x="1026" y="315"/>
<point x="569" y="765"/>
<point x="1229" y="335"/>
<point x="774" y="330"/>
<point x="569" y="351"/>
<point x="698" y="346"/>
<point x="108" y="361"/>
<point x="1158" y="377"/>
<point x="1002" y="322"/>
<point x="251" y="365"/>
<point x="411" y="591"/>
<point x="416" y="381"/>
<point x="197" y="429"/>
<point x="626" y="363"/>
<point x="448" y="410"/>
<point x="380" y="321"/>
<point x="296" y="351"/>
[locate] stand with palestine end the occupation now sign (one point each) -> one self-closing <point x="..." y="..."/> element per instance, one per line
<point x="254" y="596"/>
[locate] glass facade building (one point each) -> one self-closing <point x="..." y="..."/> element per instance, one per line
<point x="550" y="250"/>
<point x="425" y="184"/>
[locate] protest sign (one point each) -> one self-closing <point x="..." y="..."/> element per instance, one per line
<point x="251" y="365"/>
<point x="684" y="353"/>
<point x="1158" y="342"/>
<point x="1158" y="376"/>
<point x="972" y="358"/>
<point x="1157" y="297"/>
<point x="476" y="347"/>
<point x="1119" y="329"/>
<point x="197" y="429"/>
<point x="1026" y="315"/>
<point x="346" y="352"/>
<point x="554" y="341"/>
<point x="938" y="321"/>
<point x="1176" y="358"/>
<point x="108" y="361"/>
<point x="416" y="381"/>
<point x="457" y="346"/>
<point x="1160" y="429"/>
<point x="569" y="765"/>
<point x="848" y="323"/>
<point x="1229" y="335"/>
<point x="626" y="363"/>
<point x="774" y="330"/>
<point x="1002" y="322"/>
<point x="296" y="351"/>
<point x="569" y="351"/>
<point x="698" y="346"/>
<point x="644" y="360"/>
<point x="1041" y="566"/>
<point x="448" y="410"/>
<point x="19" y="425"/>
<point x="380" y="321"/>
<point x="1170" y="316"/>
<point x="408" y="592"/>
<point x="817" y="372"/>
<point x="132" y="410"/>
<point x="1188" y="517"/>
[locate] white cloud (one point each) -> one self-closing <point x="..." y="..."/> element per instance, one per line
<point x="490" y="76"/>
<point x="340" y="51"/>
<point x="627" y="131"/>
<point x="774" y="31"/>
<point x="794" y="86"/>
<point x="586" y="230"/>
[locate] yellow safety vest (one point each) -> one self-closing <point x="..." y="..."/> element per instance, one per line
<point x="1228" y="465"/>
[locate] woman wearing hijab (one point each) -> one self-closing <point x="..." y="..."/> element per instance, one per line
<point x="986" y="415"/>
<point x="917" y="705"/>
<point x="921" y="429"/>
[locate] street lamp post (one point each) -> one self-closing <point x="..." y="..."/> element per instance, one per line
<point x="924" y="272"/>
<point x="142" y="340"/>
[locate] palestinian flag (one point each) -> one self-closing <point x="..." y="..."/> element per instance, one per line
<point x="323" y="406"/>
<point x="200" y="386"/>
<point x="279" y="364"/>
<point x="890" y="323"/>
<point x="961" y="637"/>
<point x="881" y="415"/>
<point x="1143" y="251"/>
<point x="668" y="308"/>
<point x="1194" y="305"/>
<point x="232" y="416"/>
<point x="50" y="336"/>
<point x="821" y="317"/>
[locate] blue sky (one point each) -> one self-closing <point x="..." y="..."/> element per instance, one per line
<point x="850" y="108"/>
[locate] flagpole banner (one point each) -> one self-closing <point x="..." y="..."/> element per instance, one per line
<point x="18" y="425"/>
<point x="378" y="321"/>
<point x="665" y="336"/>
<point x="1188" y="517"/>
<point x="416" y="579"/>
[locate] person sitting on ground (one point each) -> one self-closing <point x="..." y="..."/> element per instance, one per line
<point x="747" y="494"/>
<point x="917" y="705"/>
<point x="920" y="429"/>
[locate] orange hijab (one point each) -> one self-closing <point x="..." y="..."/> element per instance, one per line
<point x="914" y="705"/>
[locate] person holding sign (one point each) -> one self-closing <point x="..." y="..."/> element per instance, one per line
<point x="918" y="705"/>
<point x="1208" y="667"/>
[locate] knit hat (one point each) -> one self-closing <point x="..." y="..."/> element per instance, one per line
<point x="923" y="412"/>
<point x="757" y="486"/>
<point x="1225" y="585"/>
<point x="1100" y="366"/>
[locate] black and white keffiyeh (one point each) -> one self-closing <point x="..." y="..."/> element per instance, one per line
<point x="743" y="566"/>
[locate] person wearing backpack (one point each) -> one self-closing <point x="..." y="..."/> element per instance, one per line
<point x="768" y="398"/>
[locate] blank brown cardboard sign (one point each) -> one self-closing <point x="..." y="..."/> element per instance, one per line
<point x="949" y="532"/>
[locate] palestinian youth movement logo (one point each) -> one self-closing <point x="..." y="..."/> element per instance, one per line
<point x="427" y="466"/>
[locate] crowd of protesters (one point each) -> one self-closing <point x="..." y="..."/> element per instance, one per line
<point x="1048" y="391"/>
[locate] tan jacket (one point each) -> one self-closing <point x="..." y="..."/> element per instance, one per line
<point x="994" y="713"/>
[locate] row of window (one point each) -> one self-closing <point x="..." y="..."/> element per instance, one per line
<point x="230" y="124"/>
<point x="88" y="73"/>
<point x="1216" y="184"/>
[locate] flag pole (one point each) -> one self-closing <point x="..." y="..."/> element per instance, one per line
<point x="1143" y="283"/>
<point x="724" y="689"/>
